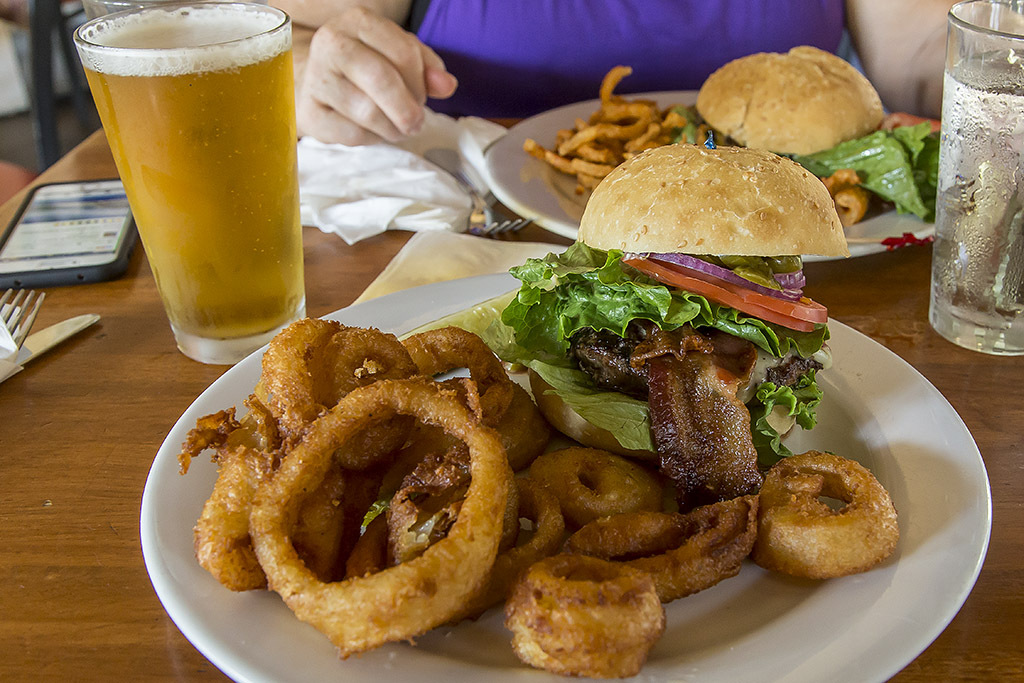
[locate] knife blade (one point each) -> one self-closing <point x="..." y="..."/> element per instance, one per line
<point x="45" y="339"/>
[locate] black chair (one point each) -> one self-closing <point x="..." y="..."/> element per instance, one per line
<point x="50" y="26"/>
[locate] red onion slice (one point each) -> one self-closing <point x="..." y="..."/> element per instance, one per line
<point x="789" y="293"/>
<point x="794" y="280"/>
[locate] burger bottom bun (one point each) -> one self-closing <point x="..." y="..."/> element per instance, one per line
<point x="568" y="421"/>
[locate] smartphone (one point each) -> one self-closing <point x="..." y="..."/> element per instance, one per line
<point x="68" y="233"/>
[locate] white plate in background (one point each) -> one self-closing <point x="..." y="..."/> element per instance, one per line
<point x="535" y="190"/>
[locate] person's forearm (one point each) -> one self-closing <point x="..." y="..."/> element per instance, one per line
<point x="902" y="46"/>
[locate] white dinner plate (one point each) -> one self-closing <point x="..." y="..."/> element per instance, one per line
<point x="757" y="626"/>
<point x="534" y="189"/>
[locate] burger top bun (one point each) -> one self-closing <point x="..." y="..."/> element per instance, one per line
<point x="728" y="201"/>
<point x="800" y="102"/>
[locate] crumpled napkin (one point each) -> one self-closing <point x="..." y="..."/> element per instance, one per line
<point x="437" y="256"/>
<point x="358" y="192"/>
<point x="8" y="354"/>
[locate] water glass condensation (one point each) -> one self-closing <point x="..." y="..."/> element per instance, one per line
<point x="198" y="105"/>
<point x="977" y="289"/>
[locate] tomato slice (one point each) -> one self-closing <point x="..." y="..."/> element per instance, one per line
<point x="902" y="118"/>
<point x="802" y="315"/>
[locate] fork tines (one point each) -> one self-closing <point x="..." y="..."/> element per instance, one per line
<point x="18" y="310"/>
<point x="504" y="227"/>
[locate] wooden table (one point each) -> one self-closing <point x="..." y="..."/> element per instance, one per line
<point x="80" y="427"/>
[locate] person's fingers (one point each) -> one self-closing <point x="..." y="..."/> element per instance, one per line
<point x="365" y="72"/>
<point x="440" y="84"/>
<point x="331" y="113"/>
<point x="337" y="56"/>
<point x="326" y="82"/>
<point x="330" y="127"/>
<point x="402" y="50"/>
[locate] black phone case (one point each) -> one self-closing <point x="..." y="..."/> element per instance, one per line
<point x="68" y="276"/>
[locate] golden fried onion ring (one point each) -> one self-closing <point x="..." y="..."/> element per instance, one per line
<point x="547" y="530"/>
<point x="683" y="553"/>
<point x="428" y="502"/>
<point x="312" y="363"/>
<point x="801" y="535"/>
<point x="506" y="406"/>
<point x="590" y="483"/>
<point x="404" y="601"/>
<point x="581" y="616"/>
<point x="221" y="535"/>
<point x="451" y="348"/>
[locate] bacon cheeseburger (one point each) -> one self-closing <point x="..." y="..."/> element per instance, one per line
<point x="675" y="327"/>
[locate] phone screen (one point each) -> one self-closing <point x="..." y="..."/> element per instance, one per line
<point x="68" y="225"/>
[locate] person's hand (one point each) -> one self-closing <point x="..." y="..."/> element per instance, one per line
<point x="367" y="80"/>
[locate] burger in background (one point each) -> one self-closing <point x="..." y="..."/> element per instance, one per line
<point x="797" y="102"/>
<point x="818" y="109"/>
<point x="675" y="328"/>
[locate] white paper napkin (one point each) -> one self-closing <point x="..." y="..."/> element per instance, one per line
<point x="358" y="192"/>
<point x="437" y="256"/>
<point x="8" y="353"/>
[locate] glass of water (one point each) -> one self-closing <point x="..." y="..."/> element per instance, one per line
<point x="977" y="286"/>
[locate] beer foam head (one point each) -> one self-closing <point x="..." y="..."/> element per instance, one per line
<point x="183" y="39"/>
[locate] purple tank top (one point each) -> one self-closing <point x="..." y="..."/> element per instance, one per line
<point x="515" y="58"/>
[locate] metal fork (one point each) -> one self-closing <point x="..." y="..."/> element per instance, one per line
<point x="506" y="227"/>
<point x="481" y="218"/>
<point x="18" y="310"/>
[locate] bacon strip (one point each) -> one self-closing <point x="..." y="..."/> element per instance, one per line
<point x="701" y="430"/>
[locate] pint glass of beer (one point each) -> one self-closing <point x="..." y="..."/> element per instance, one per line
<point x="197" y="102"/>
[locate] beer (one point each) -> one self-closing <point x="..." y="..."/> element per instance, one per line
<point x="198" y="106"/>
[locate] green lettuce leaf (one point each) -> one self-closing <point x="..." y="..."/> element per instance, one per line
<point x="900" y="166"/>
<point x="627" y="418"/>
<point x="586" y="287"/>
<point x="799" y="401"/>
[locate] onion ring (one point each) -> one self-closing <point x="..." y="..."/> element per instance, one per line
<point x="506" y="406"/>
<point x="257" y="429"/>
<point x="590" y="483"/>
<point x="326" y="527"/>
<point x="221" y="535"/>
<point x="799" y="534"/>
<point x="406" y="600"/>
<point x="428" y="501"/>
<point x="581" y="616"/>
<point x="369" y="555"/>
<point x="538" y="506"/>
<point x="321" y="524"/>
<point x="450" y="348"/>
<point x="312" y="363"/>
<point x="330" y="520"/>
<point x="683" y="553"/>
<point x="524" y="431"/>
